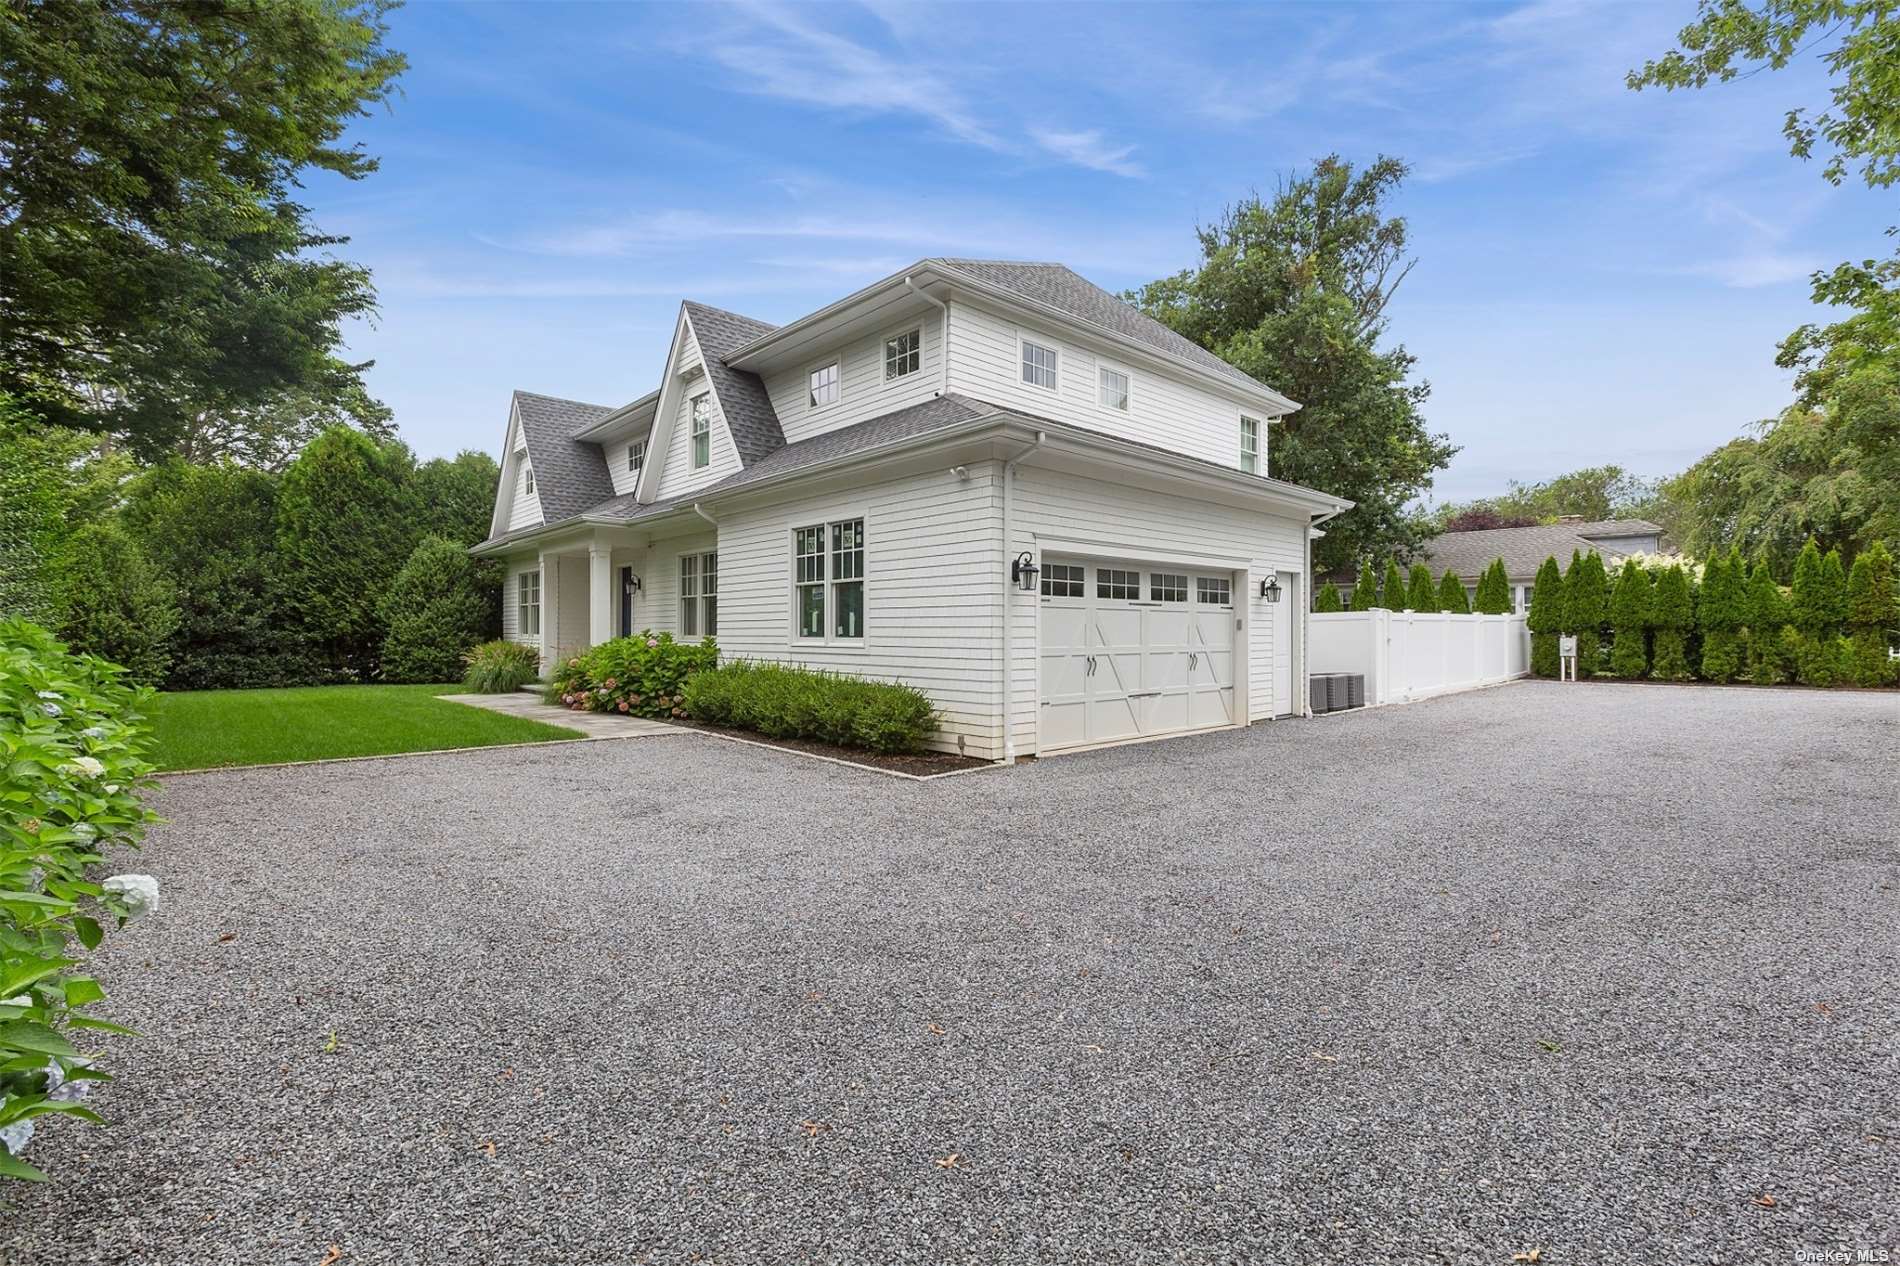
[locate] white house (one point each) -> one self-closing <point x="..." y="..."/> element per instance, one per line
<point x="867" y="488"/>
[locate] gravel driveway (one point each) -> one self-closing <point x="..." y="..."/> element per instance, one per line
<point x="1610" y="972"/>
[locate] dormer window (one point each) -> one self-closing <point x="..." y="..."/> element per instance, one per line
<point x="824" y="385"/>
<point x="1250" y="446"/>
<point x="1114" y="389"/>
<point x="527" y="480"/>
<point x="1039" y="365"/>
<point x="636" y="458"/>
<point x="702" y="431"/>
<point x="903" y="355"/>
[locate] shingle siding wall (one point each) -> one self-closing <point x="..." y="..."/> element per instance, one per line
<point x="863" y="393"/>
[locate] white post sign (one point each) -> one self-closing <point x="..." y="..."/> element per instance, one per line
<point x="1567" y="657"/>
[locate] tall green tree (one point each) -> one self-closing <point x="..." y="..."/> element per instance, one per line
<point x="345" y="524"/>
<point x="53" y="481"/>
<point x="1593" y="493"/>
<point x="436" y="611"/>
<point x="1494" y="590"/>
<point x="1293" y="290"/>
<point x="1873" y="618"/>
<point x="114" y="604"/>
<point x="1672" y="610"/>
<point x="1721" y="615"/>
<point x="1451" y="594"/>
<point x="1420" y="593"/>
<point x="1328" y="599"/>
<point x="1392" y="593"/>
<point x="1546" y="618"/>
<point x="1768" y="661"/>
<point x="156" y="264"/>
<point x="1365" y="590"/>
<point x="1586" y="601"/>
<point x="1631" y="614"/>
<point x="455" y="497"/>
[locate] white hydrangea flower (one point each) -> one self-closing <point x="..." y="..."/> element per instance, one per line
<point x="51" y="710"/>
<point x="141" y="892"/>
<point x="112" y="789"/>
<point x="51" y="694"/>
<point x="90" y="766"/>
<point x="93" y="732"/>
<point x="15" y="1137"/>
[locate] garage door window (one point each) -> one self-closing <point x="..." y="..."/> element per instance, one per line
<point x="1061" y="580"/>
<point x="1165" y="587"/>
<point x="1110" y="583"/>
<point x="1215" y="590"/>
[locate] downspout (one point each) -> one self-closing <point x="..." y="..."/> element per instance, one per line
<point x="702" y="514"/>
<point x="1009" y="553"/>
<point x="1306" y="678"/>
<point x="944" y="351"/>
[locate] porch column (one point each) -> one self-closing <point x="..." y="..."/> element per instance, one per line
<point x="550" y="609"/>
<point x="600" y="592"/>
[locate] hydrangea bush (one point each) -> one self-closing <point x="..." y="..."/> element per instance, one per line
<point x="643" y="675"/>
<point x="73" y="743"/>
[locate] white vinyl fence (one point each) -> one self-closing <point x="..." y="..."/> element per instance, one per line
<point x="1408" y="655"/>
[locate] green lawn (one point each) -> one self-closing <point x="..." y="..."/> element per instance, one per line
<point x="197" y="729"/>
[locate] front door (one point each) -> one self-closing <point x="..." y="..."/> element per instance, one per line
<point x="626" y="601"/>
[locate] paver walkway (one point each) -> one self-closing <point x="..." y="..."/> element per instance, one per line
<point x="593" y="724"/>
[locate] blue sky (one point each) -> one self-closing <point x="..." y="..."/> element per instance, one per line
<point x="1602" y="275"/>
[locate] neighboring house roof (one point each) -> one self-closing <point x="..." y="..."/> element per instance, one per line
<point x="1523" y="549"/>
<point x="569" y="474"/>
<point x="1080" y="298"/>
<point x="749" y="414"/>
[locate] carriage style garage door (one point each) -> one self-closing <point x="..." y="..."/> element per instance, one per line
<point x="1130" y="651"/>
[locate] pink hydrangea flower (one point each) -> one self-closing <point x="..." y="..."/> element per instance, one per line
<point x="623" y="705"/>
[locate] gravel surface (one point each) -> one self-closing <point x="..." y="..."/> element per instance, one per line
<point x="1612" y="973"/>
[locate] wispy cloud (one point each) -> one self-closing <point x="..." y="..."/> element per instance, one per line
<point x="1089" y="149"/>
<point x="1755" y="268"/>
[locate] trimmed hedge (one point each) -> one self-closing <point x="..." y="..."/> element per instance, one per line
<point x="435" y="612"/>
<point x="495" y="668"/>
<point x="800" y="703"/>
<point x="644" y="675"/>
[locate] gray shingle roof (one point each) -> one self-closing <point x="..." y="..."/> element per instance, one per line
<point x="1523" y="549"/>
<point x="749" y="414"/>
<point x="569" y="474"/>
<point x="1059" y="287"/>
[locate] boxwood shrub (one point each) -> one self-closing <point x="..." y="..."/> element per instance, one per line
<point x="780" y="701"/>
<point x="643" y="675"/>
<point x="74" y="744"/>
<point x="495" y="668"/>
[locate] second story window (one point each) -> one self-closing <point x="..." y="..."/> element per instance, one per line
<point x="702" y="431"/>
<point x="1114" y="389"/>
<point x="636" y="458"/>
<point x="527" y="480"/>
<point x="824" y="385"/>
<point x="1250" y="446"/>
<point x="1039" y="365"/>
<point x="903" y="355"/>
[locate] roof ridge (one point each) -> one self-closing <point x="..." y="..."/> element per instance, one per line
<point x="585" y="404"/>
<point x="738" y="316"/>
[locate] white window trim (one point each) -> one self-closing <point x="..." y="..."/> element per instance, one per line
<point x="680" y="597"/>
<point x="884" y="355"/>
<point x="523" y="608"/>
<point x="823" y="521"/>
<point x="636" y="458"/>
<point x="830" y="362"/>
<point x="1259" y="443"/>
<point x="527" y="480"/>
<point x="1125" y="372"/>
<point x="1047" y="344"/>
<point x="692" y="431"/>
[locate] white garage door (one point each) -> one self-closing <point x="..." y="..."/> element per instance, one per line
<point x="1130" y="651"/>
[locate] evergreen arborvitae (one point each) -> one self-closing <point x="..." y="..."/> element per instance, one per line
<point x="1720" y="615"/>
<point x="1328" y="599"/>
<point x="1873" y="611"/>
<point x="1546" y="618"/>
<point x="1365" y="590"/>
<point x="1494" y="591"/>
<point x="1586" y="598"/>
<point x="1420" y="593"/>
<point x="1392" y="593"/>
<point x="1818" y="607"/>
<point x="1768" y="662"/>
<point x="1451" y="595"/>
<point x="1630" y="616"/>
<point x="436" y="611"/>
<point x="1672" y="614"/>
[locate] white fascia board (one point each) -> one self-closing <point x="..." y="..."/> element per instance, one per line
<point x="627" y="415"/>
<point x="666" y="409"/>
<point x="505" y="486"/>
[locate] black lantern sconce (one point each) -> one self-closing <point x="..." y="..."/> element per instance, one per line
<point x="1270" y="589"/>
<point x="1022" y="572"/>
<point x="631" y="585"/>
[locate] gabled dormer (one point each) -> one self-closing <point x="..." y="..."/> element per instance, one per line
<point x="547" y="474"/>
<point x="710" y="420"/>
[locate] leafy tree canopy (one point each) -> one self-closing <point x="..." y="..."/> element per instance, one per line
<point x="1293" y="290"/>
<point x="1595" y="492"/>
<point x="156" y="269"/>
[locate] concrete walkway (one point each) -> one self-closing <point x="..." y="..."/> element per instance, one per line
<point x="520" y="703"/>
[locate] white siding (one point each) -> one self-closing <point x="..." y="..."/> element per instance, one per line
<point x="863" y="392"/>
<point x="677" y="476"/>
<point x="615" y="451"/>
<point x="1127" y="521"/>
<point x="986" y="362"/>
<point x="932" y="550"/>
<point x="568" y="608"/>
<point x="523" y="507"/>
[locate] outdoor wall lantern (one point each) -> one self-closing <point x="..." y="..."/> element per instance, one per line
<point x="1022" y="572"/>
<point x="631" y="585"/>
<point x="1270" y="589"/>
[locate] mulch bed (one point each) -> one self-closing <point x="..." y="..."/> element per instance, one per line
<point x="921" y="763"/>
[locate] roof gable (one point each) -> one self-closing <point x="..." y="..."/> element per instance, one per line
<point x="569" y="474"/>
<point x="1524" y="549"/>
<point x="748" y="410"/>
